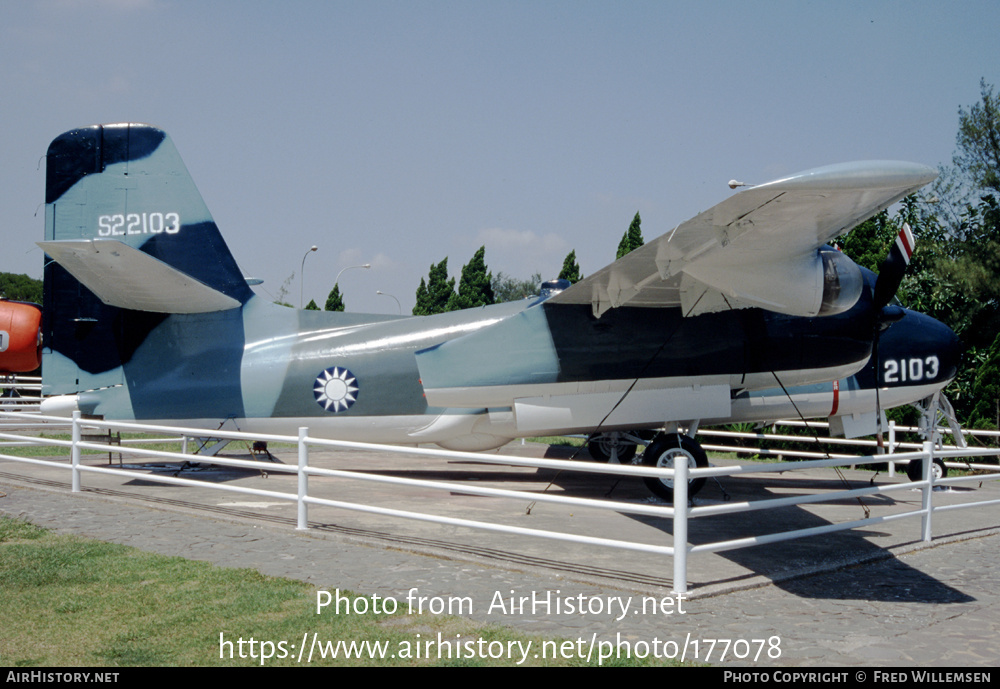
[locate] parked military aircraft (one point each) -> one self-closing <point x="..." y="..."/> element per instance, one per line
<point x="20" y="341"/>
<point x="148" y="317"/>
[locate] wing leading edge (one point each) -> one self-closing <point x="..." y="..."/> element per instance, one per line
<point x="758" y="248"/>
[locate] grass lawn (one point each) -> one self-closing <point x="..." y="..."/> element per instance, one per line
<point x="68" y="601"/>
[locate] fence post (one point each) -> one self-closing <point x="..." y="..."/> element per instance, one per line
<point x="892" y="447"/>
<point x="928" y="488"/>
<point x="303" y="514"/>
<point x="74" y="453"/>
<point x="680" y="524"/>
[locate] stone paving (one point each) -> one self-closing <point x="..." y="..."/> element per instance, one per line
<point x="873" y="597"/>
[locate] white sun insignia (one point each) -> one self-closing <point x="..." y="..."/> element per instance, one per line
<point x="336" y="389"/>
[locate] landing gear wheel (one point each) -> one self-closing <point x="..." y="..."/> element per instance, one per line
<point x="915" y="470"/>
<point x="666" y="450"/>
<point x="603" y="446"/>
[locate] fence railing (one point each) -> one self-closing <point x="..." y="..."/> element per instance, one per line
<point x="888" y="449"/>
<point x="680" y="512"/>
<point x="20" y="393"/>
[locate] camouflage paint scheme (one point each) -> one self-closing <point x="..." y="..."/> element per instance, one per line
<point x="212" y="354"/>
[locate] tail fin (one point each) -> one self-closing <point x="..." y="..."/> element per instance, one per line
<point x="126" y="183"/>
<point x="130" y="241"/>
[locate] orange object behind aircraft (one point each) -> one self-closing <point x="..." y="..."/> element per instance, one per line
<point x="20" y="337"/>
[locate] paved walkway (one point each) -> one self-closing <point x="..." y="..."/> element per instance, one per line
<point x="874" y="597"/>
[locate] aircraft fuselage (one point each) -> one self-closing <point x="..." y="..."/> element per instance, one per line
<point x="272" y="369"/>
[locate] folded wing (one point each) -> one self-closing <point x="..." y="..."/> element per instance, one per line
<point x="760" y="248"/>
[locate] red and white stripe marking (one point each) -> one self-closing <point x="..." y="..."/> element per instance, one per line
<point x="905" y="242"/>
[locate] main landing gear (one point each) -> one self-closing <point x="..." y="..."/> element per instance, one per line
<point x="620" y="446"/>
<point x="666" y="449"/>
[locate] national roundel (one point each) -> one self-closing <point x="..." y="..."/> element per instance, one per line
<point x="336" y="389"/>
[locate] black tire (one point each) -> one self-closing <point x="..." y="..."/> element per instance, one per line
<point x="601" y="445"/>
<point x="662" y="453"/>
<point x="915" y="469"/>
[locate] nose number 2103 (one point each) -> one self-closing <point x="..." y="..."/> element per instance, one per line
<point x="910" y="370"/>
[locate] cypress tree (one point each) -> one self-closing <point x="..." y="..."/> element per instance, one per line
<point x="570" y="268"/>
<point x="474" y="289"/>
<point x="334" y="302"/>
<point x="632" y="239"/>
<point x="420" y="308"/>
<point x="434" y="295"/>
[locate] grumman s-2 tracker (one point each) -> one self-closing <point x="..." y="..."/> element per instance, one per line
<point x="147" y="317"/>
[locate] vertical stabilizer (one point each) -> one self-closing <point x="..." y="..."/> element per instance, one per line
<point x="115" y="184"/>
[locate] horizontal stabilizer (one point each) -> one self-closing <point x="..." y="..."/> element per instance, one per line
<point x="128" y="278"/>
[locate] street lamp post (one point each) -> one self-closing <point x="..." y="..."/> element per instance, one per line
<point x="337" y="281"/>
<point x="302" y="273"/>
<point x="385" y="294"/>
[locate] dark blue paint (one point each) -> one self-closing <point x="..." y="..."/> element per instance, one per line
<point x="200" y="251"/>
<point x="89" y="150"/>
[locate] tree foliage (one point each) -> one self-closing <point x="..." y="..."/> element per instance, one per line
<point x="20" y="288"/>
<point x="978" y="141"/>
<point x="312" y="305"/>
<point x="434" y="294"/>
<point x="964" y="267"/>
<point x="967" y="270"/>
<point x="571" y="269"/>
<point x="507" y="288"/>
<point x="632" y="239"/>
<point x="475" y="286"/>
<point x="985" y="411"/>
<point x="868" y="243"/>
<point x="282" y="294"/>
<point x="954" y="274"/>
<point x="334" y="300"/>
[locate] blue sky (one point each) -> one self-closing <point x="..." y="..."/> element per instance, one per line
<point x="398" y="133"/>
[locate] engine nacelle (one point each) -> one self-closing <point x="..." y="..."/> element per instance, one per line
<point x="20" y="337"/>
<point x="842" y="282"/>
<point x="827" y="282"/>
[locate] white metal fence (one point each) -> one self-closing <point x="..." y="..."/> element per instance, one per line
<point x="737" y="442"/>
<point x="681" y="473"/>
<point x="20" y="393"/>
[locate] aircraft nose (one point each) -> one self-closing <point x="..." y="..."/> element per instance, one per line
<point x="918" y="349"/>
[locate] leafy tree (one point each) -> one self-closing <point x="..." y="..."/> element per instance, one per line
<point x="571" y="269"/>
<point x="311" y="306"/>
<point x="434" y="295"/>
<point x="967" y="270"/>
<point x="474" y="287"/>
<point x="421" y="305"/>
<point x="632" y="239"/>
<point x="956" y="268"/>
<point x="20" y="288"/>
<point x="507" y="288"/>
<point x="279" y="299"/>
<point x="868" y="243"/>
<point x="986" y="410"/>
<point x="978" y="141"/>
<point x="334" y="300"/>
<point x="976" y="161"/>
